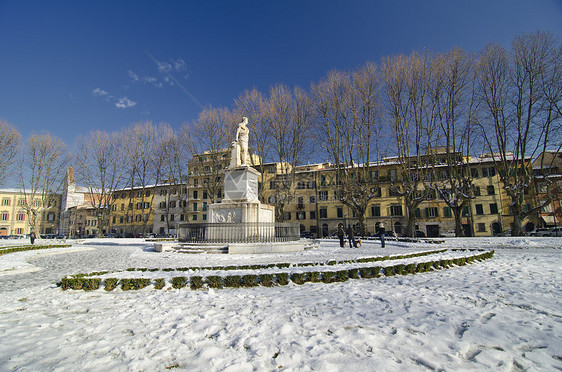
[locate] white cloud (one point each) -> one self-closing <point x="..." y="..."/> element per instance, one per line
<point x="99" y="92"/>
<point x="124" y="102"/>
<point x="133" y="76"/>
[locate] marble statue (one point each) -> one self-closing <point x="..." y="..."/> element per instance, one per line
<point x="240" y="155"/>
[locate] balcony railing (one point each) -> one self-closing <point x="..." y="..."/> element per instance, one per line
<point x="252" y="232"/>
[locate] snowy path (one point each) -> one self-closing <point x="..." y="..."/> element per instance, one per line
<point x="502" y="314"/>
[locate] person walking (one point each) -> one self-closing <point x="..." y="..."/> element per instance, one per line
<point x="381" y="234"/>
<point x="32" y="237"/>
<point x="341" y="235"/>
<point x="351" y="237"/>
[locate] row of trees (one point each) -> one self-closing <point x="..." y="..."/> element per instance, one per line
<point x="506" y="102"/>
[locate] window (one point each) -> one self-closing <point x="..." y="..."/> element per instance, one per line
<point x="312" y="215"/>
<point x="195" y="182"/>
<point x="271" y="199"/>
<point x="312" y="199"/>
<point x="147" y="194"/>
<point x="301" y="215"/>
<point x="172" y="217"/>
<point x="474" y="172"/>
<point x="323" y="195"/>
<point x="488" y="172"/>
<point x="204" y="217"/>
<point x="377" y="192"/>
<point x="479" y="209"/>
<point x="114" y="207"/>
<point x="162" y="218"/>
<point x="173" y="204"/>
<point x="205" y="196"/>
<point x="138" y="218"/>
<point x="394" y="191"/>
<point x="491" y="190"/>
<point x="392" y="174"/>
<point x="204" y="206"/>
<point x="194" y="207"/>
<point x="287" y="216"/>
<point x="417" y="213"/>
<point x="374" y="175"/>
<point x="300" y="185"/>
<point x="493" y="208"/>
<point x="182" y="217"/>
<point x="121" y="219"/>
<point x="340" y="212"/>
<point x="481" y="227"/>
<point x="396" y="210"/>
<point x="5" y="201"/>
<point x="465" y="211"/>
<point x="431" y="212"/>
<point x="162" y="205"/>
<point x="375" y="211"/>
<point x="20" y="217"/>
<point x="323" y="212"/>
<point x="338" y="194"/>
<point x="194" y="218"/>
<point x="322" y="180"/>
<point x="272" y="185"/>
<point x="447" y="212"/>
<point x="122" y="206"/>
<point x="5" y="216"/>
<point x="195" y="194"/>
<point x="477" y="191"/>
<point x="50" y="216"/>
<point x="19" y="231"/>
<point x="146" y="205"/>
<point x="113" y="219"/>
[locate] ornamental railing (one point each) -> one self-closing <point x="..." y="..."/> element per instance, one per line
<point x="251" y="232"/>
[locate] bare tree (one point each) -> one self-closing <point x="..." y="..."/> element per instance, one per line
<point x="452" y="90"/>
<point x="520" y="110"/>
<point x="99" y="167"/>
<point x="142" y="154"/>
<point x="208" y="141"/>
<point x="44" y="162"/>
<point x="10" y="140"/>
<point x="347" y="108"/>
<point x="412" y="117"/>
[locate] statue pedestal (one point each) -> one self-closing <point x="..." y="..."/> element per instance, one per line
<point x="241" y="206"/>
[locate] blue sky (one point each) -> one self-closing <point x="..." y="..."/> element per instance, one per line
<point x="68" y="67"/>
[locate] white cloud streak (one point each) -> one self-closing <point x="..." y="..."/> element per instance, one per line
<point x="98" y="92"/>
<point x="124" y="103"/>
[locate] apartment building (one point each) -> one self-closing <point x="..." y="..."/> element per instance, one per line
<point x="14" y="219"/>
<point x="132" y="211"/>
<point x="547" y="170"/>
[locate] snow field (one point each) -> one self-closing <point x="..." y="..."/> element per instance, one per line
<point x="500" y="314"/>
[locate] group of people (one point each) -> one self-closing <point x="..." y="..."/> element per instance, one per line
<point x="342" y="232"/>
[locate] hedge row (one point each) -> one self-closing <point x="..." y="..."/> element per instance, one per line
<point x="286" y="265"/>
<point x="268" y="280"/>
<point x="31" y="248"/>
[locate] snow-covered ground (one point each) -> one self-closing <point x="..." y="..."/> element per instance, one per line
<point x="503" y="314"/>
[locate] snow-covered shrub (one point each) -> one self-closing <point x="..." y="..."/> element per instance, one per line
<point x="232" y="281"/>
<point x="249" y="280"/>
<point x="110" y="284"/>
<point x="353" y="273"/>
<point x="266" y="280"/>
<point x="341" y="276"/>
<point x="327" y="277"/>
<point x="410" y="268"/>
<point x="282" y="278"/>
<point x="179" y="282"/>
<point x="389" y="271"/>
<point x="313" y="276"/>
<point x="214" y="281"/>
<point x="399" y="269"/>
<point x="195" y="282"/>
<point x="298" y="278"/>
<point x="159" y="283"/>
<point x="91" y="284"/>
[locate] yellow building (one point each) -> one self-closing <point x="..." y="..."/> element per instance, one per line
<point x="314" y="201"/>
<point x="14" y="219"/>
<point x="132" y="211"/>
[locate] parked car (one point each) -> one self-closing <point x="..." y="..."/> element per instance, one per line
<point x="540" y="232"/>
<point x="448" y="234"/>
<point x="557" y="231"/>
<point x="307" y="235"/>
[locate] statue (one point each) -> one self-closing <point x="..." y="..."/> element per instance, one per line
<point x="239" y="149"/>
